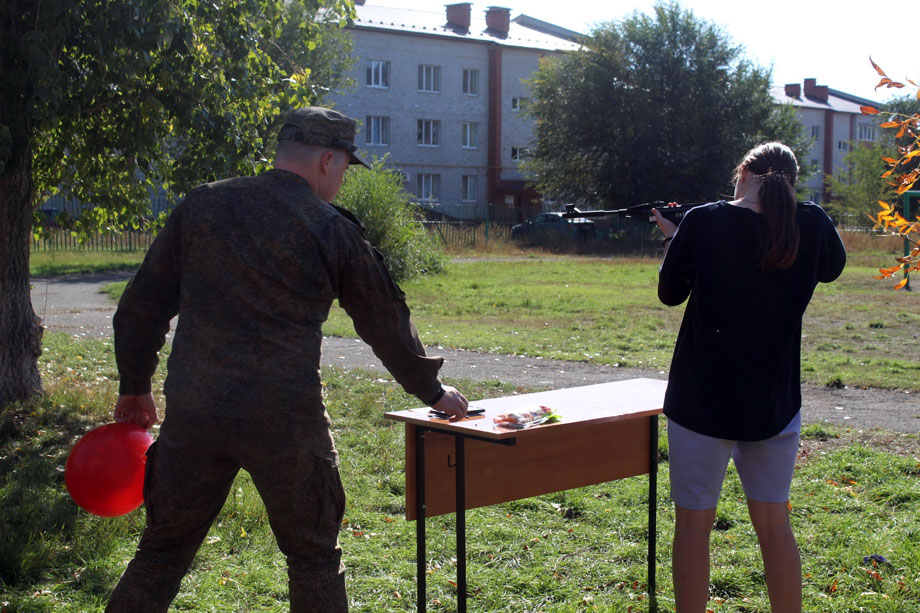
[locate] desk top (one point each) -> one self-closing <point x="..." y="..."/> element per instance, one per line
<point x="604" y="402"/>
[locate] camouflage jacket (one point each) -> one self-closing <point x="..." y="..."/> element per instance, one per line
<point x="251" y="266"/>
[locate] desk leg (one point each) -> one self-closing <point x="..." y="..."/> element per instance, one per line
<point x="420" y="517"/>
<point x="652" y="509"/>
<point x="461" y="524"/>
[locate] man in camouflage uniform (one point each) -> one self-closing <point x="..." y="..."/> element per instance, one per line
<point x="252" y="266"/>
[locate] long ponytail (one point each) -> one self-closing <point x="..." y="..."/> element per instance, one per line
<point x="776" y="167"/>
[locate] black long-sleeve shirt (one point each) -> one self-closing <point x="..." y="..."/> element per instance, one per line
<point x="735" y="373"/>
<point x="252" y="266"/>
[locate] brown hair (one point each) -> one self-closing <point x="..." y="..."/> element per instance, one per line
<point x="777" y="168"/>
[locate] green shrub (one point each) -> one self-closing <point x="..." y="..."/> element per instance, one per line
<point x="376" y="197"/>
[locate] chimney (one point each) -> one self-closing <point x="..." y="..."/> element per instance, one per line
<point x="794" y="90"/>
<point x="818" y="92"/>
<point x="498" y="19"/>
<point x="458" y="15"/>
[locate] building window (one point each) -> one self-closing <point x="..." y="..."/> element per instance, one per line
<point x="470" y="133"/>
<point x="429" y="187"/>
<point x="470" y="188"/>
<point x="429" y="78"/>
<point x="867" y="132"/>
<point x="816" y="132"/>
<point x="471" y="81"/>
<point x="843" y="145"/>
<point x="518" y="103"/>
<point x="518" y="153"/>
<point x="814" y="165"/>
<point x="429" y="132"/>
<point x="377" y="130"/>
<point x="378" y="73"/>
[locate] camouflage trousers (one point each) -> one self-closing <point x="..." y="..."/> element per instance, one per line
<point x="189" y="474"/>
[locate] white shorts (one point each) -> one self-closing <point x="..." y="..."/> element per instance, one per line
<point x="697" y="465"/>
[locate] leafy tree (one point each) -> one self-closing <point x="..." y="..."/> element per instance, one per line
<point x="377" y="198"/>
<point x="656" y="107"/>
<point x="856" y="190"/>
<point x="315" y="38"/>
<point x="109" y="102"/>
<point x="902" y="175"/>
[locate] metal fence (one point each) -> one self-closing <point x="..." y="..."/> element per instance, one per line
<point x="462" y="226"/>
<point x="466" y="234"/>
<point x="65" y="240"/>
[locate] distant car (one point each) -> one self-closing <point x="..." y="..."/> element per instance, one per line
<point x="549" y="226"/>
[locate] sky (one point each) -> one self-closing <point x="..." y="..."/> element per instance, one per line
<point x="828" y="40"/>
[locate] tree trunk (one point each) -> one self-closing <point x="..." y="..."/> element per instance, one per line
<point x="20" y="328"/>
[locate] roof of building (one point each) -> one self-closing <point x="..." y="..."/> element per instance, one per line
<point x="523" y="31"/>
<point x="836" y="100"/>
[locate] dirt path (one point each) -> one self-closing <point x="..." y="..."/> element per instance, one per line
<point x="72" y="304"/>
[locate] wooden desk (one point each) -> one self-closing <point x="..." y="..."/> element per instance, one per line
<point x="607" y="432"/>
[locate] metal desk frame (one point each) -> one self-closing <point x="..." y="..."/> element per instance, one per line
<point x="460" y="490"/>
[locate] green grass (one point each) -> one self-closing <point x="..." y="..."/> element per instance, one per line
<point x="857" y="331"/>
<point x="54" y="263"/>
<point x="577" y="550"/>
<point x="606" y="311"/>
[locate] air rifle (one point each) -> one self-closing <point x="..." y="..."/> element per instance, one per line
<point x="671" y="212"/>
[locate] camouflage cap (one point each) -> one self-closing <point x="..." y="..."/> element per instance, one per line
<point x="322" y="127"/>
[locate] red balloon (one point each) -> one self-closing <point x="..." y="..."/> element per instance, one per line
<point x="105" y="469"/>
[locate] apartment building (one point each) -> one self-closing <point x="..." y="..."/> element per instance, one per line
<point x="834" y="122"/>
<point x="441" y="94"/>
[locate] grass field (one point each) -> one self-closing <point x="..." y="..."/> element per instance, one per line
<point x="54" y="263"/>
<point x="855" y="494"/>
<point x="571" y="551"/>
<point x="857" y="331"/>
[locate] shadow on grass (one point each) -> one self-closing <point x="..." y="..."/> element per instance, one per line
<point x="38" y="520"/>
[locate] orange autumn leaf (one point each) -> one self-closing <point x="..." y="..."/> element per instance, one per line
<point x="877" y="68"/>
<point x="868" y="110"/>
<point x="889" y="124"/>
<point x="901" y="283"/>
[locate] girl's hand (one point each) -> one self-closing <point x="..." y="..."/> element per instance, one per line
<point x="667" y="227"/>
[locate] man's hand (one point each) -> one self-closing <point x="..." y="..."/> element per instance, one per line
<point x="137" y="409"/>
<point x="453" y="403"/>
